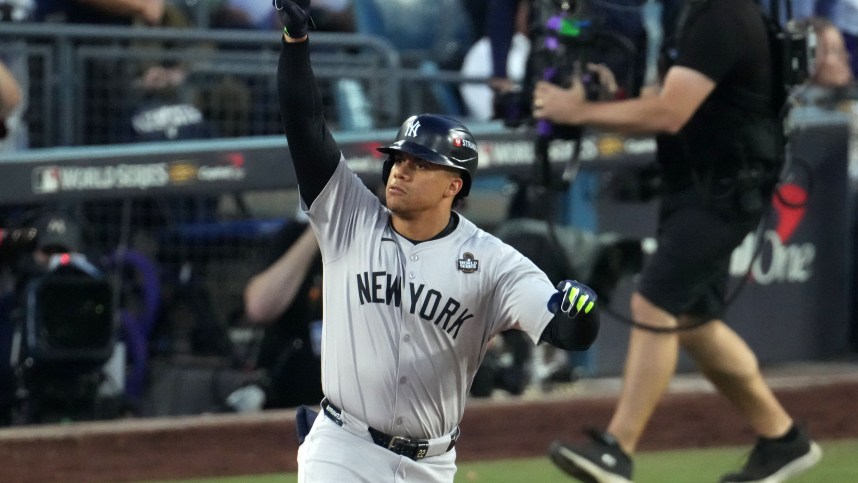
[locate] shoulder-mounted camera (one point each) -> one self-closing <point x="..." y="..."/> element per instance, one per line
<point x="564" y="38"/>
<point x="67" y="317"/>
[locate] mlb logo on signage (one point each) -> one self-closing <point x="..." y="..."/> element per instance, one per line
<point x="46" y="180"/>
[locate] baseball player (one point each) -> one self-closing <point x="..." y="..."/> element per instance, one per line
<point x="413" y="291"/>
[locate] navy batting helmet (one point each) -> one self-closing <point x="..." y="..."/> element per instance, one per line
<point x="437" y="139"/>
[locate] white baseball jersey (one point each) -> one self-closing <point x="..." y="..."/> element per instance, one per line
<point x="406" y="326"/>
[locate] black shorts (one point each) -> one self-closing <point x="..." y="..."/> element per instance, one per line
<point x="688" y="273"/>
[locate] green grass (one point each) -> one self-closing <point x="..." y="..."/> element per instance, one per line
<point x="839" y="465"/>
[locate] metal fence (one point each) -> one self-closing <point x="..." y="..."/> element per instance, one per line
<point x="88" y="85"/>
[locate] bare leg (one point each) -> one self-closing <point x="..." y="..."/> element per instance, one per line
<point x="727" y="361"/>
<point x="650" y="364"/>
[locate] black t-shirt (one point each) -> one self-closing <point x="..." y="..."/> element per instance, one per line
<point x="307" y="305"/>
<point x="725" y="40"/>
<point x="287" y="351"/>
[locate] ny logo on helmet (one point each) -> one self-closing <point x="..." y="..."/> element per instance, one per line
<point x="412" y="129"/>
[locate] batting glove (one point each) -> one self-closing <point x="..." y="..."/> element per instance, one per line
<point x="294" y="14"/>
<point x="572" y="298"/>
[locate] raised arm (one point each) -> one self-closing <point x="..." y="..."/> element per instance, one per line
<point x="315" y="154"/>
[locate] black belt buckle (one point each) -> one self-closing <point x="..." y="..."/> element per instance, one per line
<point x="415" y="450"/>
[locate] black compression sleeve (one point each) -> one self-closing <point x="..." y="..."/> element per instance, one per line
<point x="576" y="334"/>
<point x="315" y="154"/>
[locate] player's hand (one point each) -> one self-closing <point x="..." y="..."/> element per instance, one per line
<point x="572" y="298"/>
<point x="294" y="14"/>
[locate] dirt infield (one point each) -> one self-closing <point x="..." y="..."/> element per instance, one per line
<point x="221" y="445"/>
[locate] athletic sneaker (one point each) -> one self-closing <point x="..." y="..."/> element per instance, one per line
<point x="773" y="461"/>
<point x="600" y="461"/>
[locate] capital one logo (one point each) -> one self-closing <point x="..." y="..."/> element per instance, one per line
<point x="772" y="258"/>
<point x="412" y="129"/>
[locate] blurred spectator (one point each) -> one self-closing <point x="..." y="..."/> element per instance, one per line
<point x="245" y="14"/>
<point x="164" y="111"/>
<point x="829" y="87"/>
<point x="328" y="15"/>
<point x="234" y="102"/>
<point x="333" y="15"/>
<point x="844" y="15"/>
<point x="156" y="104"/>
<point x="286" y="298"/>
<point x="15" y="10"/>
<point x="161" y="106"/>
<point x="14" y="79"/>
<point x="239" y="103"/>
<point x="832" y="68"/>
<point x="120" y="12"/>
<point x="106" y="92"/>
<point x="10" y="96"/>
<point x="479" y="98"/>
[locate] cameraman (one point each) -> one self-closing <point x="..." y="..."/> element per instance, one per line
<point x="26" y="258"/>
<point x="716" y="94"/>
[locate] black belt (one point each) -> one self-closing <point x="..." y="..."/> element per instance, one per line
<point x="416" y="449"/>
